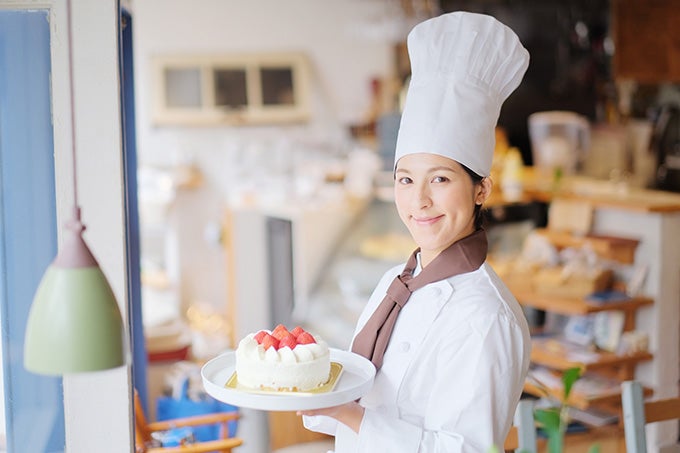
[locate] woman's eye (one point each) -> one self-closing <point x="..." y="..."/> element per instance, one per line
<point x="439" y="179"/>
<point x="405" y="180"/>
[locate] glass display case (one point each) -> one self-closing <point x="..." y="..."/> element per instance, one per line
<point x="377" y="241"/>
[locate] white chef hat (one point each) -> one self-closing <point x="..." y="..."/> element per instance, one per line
<point x="463" y="67"/>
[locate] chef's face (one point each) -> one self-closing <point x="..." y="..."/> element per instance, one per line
<point x="436" y="199"/>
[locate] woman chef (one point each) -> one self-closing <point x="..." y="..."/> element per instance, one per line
<point x="451" y="365"/>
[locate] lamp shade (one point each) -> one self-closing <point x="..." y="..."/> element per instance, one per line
<point x="74" y="324"/>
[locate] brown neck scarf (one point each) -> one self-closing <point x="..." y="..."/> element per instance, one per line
<point x="465" y="255"/>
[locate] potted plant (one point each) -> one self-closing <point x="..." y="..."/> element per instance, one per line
<point x="554" y="420"/>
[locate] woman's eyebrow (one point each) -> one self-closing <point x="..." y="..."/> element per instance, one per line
<point x="429" y="170"/>
<point x="442" y="167"/>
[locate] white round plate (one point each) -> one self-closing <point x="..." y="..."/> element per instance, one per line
<point x="356" y="379"/>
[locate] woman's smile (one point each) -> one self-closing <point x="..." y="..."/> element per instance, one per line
<point x="426" y="221"/>
<point x="435" y="199"/>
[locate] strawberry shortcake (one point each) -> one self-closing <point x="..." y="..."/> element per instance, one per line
<point x="280" y="360"/>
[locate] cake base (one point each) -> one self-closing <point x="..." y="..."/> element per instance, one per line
<point x="328" y="386"/>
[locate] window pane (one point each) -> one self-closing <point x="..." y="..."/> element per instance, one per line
<point x="230" y="88"/>
<point x="183" y="87"/>
<point x="28" y="239"/>
<point x="277" y="86"/>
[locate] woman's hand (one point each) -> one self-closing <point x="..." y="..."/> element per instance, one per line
<point x="350" y="414"/>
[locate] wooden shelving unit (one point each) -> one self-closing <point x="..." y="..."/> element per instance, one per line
<point x="607" y="364"/>
<point x="556" y="356"/>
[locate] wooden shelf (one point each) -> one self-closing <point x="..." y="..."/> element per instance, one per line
<point x="613" y="248"/>
<point x="579" y="400"/>
<point x="617" y="367"/>
<point x="570" y="306"/>
<point x="541" y="356"/>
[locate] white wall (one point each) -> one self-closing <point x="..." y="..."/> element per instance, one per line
<point x="339" y="37"/>
<point x="98" y="405"/>
<point x="331" y="34"/>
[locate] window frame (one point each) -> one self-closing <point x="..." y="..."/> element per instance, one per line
<point x="254" y="112"/>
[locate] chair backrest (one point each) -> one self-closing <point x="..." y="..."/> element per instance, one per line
<point x="637" y="413"/>
<point x="144" y="431"/>
<point x="522" y="435"/>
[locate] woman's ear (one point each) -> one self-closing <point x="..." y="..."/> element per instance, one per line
<point x="483" y="190"/>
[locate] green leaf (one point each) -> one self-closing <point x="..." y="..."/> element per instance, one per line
<point x="549" y="419"/>
<point x="569" y="377"/>
<point x="595" y="448"/>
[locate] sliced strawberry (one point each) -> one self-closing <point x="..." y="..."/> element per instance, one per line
<point x="280" y="331"/>
<point x="259" y="336"/>
<point x="305" y="338"/>
<point x="288" y="340"/>
<point x="297" y="331"/>
<point x="270" y="341"/>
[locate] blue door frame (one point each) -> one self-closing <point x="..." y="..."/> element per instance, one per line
<point x="131" y="208"/>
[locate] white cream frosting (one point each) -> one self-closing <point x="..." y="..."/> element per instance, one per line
<point x="303" y="368"/>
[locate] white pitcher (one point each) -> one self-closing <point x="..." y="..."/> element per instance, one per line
<point x="559" y="140"/>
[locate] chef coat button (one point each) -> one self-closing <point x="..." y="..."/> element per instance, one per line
<point x="433" y="292"/>
<point x="405" y="346"/>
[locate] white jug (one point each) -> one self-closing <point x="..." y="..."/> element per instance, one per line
<point x="559" y="140"/>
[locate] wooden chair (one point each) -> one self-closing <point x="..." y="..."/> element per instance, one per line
<point x="637" y="413"/>
<point x="522" y="435"/>
<point x="144" y="429"/>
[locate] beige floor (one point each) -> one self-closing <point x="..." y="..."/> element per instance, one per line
<point x="322" y="446"/>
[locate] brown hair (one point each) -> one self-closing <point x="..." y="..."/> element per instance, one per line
<point x="478" y="214"/>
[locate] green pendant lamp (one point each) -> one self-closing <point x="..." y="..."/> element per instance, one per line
<point x="74" y="324"/>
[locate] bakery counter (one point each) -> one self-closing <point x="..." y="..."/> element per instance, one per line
<point x="599" y="193"/>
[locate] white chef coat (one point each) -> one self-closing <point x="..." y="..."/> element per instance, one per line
<point x="452" y="374"/>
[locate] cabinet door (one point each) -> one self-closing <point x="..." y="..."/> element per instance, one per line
<point x="286" y="429"/>
<point x="647" y="39"/>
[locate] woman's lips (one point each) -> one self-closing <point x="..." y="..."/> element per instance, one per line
<point x="426" y="220"/>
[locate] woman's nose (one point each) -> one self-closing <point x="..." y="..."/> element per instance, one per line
<point x="423" y="196"/>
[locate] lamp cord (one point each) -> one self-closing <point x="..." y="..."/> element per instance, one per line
<point x="73" y="108"/>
